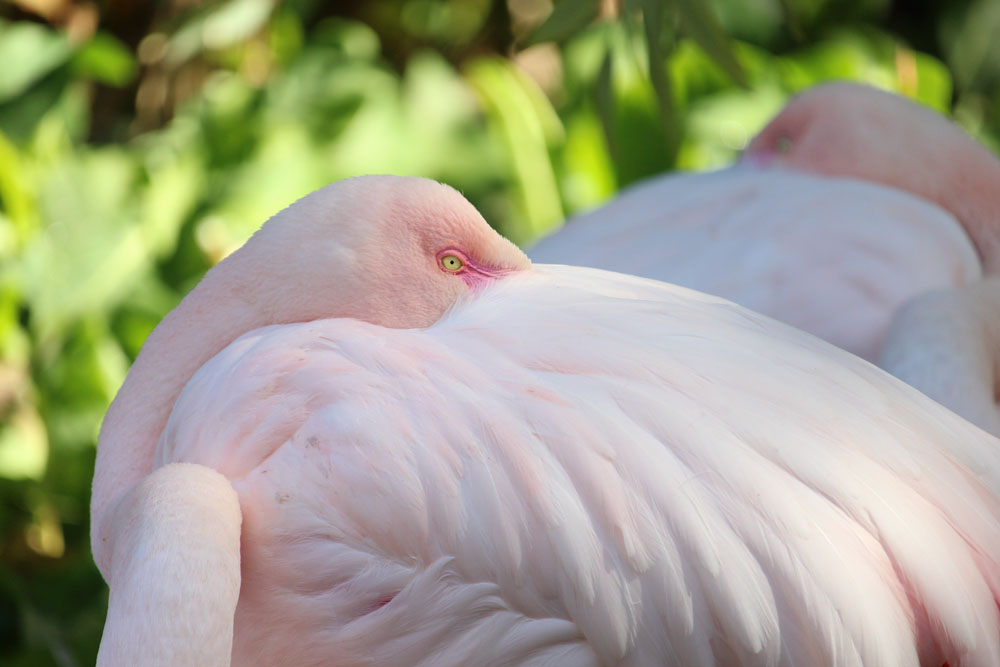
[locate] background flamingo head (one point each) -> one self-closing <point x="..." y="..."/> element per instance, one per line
<point x="849" y="129"/>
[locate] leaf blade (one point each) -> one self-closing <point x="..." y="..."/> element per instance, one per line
<point x="568" y="18"/>
<point x="704" y="28"/>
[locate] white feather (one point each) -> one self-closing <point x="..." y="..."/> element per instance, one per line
<point x="518" y="486"/>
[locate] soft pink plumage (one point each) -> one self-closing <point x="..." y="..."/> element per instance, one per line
<point x="846" y="129"/>
<point x="563" y="466"/>
<point x="836" y="257"/>
<point x="851" y="204"/>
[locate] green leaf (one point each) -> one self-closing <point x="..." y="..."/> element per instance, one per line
<point x="16" y="198"/>
<point x="605" y="98"/>
<point x="720" y="124"/>
<point x="220" y="26"/>
<point x="567" y="19"/>
<point x="933" y="82"/>
<point x="353" y="39"/>
<point x="28" y="52"/>
<point x="587" y="173"/>
<point x="174" y="187"/>
<point x="442" y="124"/>
<point x="973" y="51"/>
<point x="20" y="115"/>
<point x="703" y="27"/>
<point x="511" y="106"/>
<point x="24" y="446"/>
<point x="235" y="21"/>
<point x="656" y="35"/>
<point x="631" y="12"/>
<point x="636" y="120"/>
<point x="257" y="190"/>
<point x="90" y="252"/>
<point x="104" y="58"/>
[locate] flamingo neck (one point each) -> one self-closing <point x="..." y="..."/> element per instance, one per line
<point x="969" y="187"/>
<point x="946" y="343"/>
<point x="214" y="314"/>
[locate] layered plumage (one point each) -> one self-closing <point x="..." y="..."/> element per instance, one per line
<point x="577" y="467"/>
<point x="847" y="129"/>
<point x="537" y="466"/>
<point x="945" y="341"/>
<point x="834" y="256"/>
<point x="854" y="210"/>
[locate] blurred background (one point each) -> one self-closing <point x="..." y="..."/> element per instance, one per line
<point x="141" y="142"/>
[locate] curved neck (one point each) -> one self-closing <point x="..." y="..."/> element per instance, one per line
<point x="214" y="314"/>
<point x="946" y="343"/>
<point x="969" y="187"/>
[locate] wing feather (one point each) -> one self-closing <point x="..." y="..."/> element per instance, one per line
<point x="621" y="471"/>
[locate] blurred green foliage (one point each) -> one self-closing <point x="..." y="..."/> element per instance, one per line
<point x="141" y="142"/>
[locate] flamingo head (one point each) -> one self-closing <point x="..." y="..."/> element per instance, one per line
<point x="389" y="250"/>
<point x="854" y="130"/>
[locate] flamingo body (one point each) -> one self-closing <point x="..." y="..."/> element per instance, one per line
<point x="834" y="256"/>
<point x="577" y="467"/>
<point x="433" y="453"/>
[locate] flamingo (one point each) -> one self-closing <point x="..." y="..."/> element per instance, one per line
<point x="850" y="129"/>
<point x="378" y="435"/>
<point x="848" y="210"/>
<point x="859" y="131"/>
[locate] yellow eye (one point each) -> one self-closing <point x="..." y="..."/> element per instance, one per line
<point x="452" y="263"/>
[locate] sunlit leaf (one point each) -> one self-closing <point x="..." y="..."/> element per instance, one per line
<point x="24" y="446"/>
<point x="44" y="535"/>
<point x="567" y="18"/>
<point x="16" y="197"/>
<point x="721" y="124"/>
<point x="588" y="174"/>
<point x="352" y="39"/>
<point x="640" y="140"/>
<point x="844" y="55"/>
<point x="90" y="249"/>
<point x="104" y="58"/>
<point x="285" y="36"/>
<point x="235" y="21"/>
<point x="29" y="51"/>
<point x="923" y="78"/>
<point x="442" y="124"/>
<point x="257" y="189"/>
<point x="76" y="379"/>
<point x="15" y="344"/>
<point x="502" y="90"/>
<point x="217" y="27"/>
<point x="173" y="191"/>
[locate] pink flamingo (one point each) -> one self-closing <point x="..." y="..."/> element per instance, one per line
<point x="806" y="231"/>
<point x="473" y="461"/>
<point x="945" y="341"/>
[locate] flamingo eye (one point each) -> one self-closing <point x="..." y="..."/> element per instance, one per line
<point x="452" y="263"/>
<point x="783" y="144"/>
